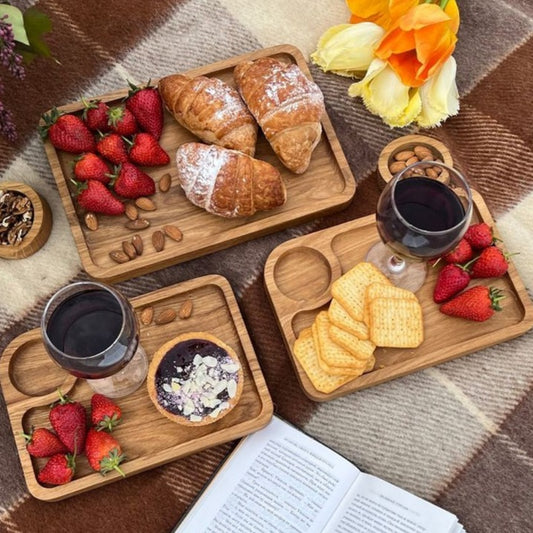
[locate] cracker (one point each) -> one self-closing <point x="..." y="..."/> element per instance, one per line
<point x="396" y="322"/>
<point x="382" y="290"/>
<point x="305" y="353"/>
<point x="370" y="364"/>
<point x="362" y="350"/>
<point x="350" y="288"/>
<point x="340" y="317"/>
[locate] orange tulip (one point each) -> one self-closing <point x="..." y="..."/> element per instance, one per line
<point x="420" y="41"/>
<point x="381" y="12"/>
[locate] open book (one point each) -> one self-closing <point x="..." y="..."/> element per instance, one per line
<point x="281" y="480"/>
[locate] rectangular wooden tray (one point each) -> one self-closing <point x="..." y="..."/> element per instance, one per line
<point x="29" y="381"/>
<point x="298" y="278"/>
<point x="326" y="186"/>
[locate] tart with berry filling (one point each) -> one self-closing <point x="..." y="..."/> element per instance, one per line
<point x="195" y="379"/>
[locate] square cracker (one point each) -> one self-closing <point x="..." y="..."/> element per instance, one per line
<point x="382" y="290"/>
<point x="340" y="317"/>
<point x="305" y="353"/>
<point x="396" y="323"/>
<point x="362" y="350"/>
<point x="350" y="288"/>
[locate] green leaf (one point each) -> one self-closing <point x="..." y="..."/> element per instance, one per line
<point x="16" y="19"/>
<point x="37" y="24"/>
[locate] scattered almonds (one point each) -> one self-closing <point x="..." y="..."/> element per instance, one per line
<point x="404" y="158"/>
<point x="16" y="217"/>
<point x="147" y="315"/>
<point x="165" y="316"/>
<point x="131" y="212"/>
<point x="140" y="223"/>
<point x="173" y="232"/>
<point x="145" y="204"/>
<point x="91" y="221"/>
<point x="129" y="249"/>
<point x="158" y="240"/>
<point x="164" y="183"/>
<point x="185" y="309"/>
<point x="119" y="256"/>
<point x="137" y="244"/>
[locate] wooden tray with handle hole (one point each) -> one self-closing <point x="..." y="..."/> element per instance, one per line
<point x="30" y="379"/>
<point x="298" y="278"/>
<point x="326" y="186"/>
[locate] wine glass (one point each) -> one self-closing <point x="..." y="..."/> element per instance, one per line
<point x="91" y="330"/>
<point x="419" y="218"/>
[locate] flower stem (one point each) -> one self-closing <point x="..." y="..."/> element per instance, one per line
<point x="443" y="4"/>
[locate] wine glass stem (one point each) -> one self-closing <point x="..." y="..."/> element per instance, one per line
<point x="396" y="264"/>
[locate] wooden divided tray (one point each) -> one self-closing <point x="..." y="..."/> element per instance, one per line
<point x="29" y="381"/>
<point x="326" y="186"/>
<point x="298" y="278"/>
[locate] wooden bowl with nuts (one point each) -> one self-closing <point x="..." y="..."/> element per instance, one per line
<point x="25" y="220"/>
<point x="410" y="149"/>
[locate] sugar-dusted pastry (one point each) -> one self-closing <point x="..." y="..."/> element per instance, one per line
<point x="287" y="106"/>
<point x="226" y="182"/>
<point x="195" y="379"/>
<point x="211" y="109"/>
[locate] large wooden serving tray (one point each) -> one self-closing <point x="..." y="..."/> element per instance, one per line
<point x="298" y="278"/>
<point x="29" y="381"/>
<point x="326" y="186"/>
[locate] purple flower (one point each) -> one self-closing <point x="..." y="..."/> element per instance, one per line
<point x="8" y="57"/>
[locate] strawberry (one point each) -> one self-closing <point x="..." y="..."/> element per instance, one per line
<point x="451" y="280"/>
<point x="105" y="414"/>
<point x="460" y="254"/>
<point x="122" y="121"/>
<point x="145" y="151"/>
<point x="41" y="442"/>
<point x="491" y="263"/>
<point x="58" y="470"/>
<point x="132" y="182"/>
<point x="91" y="167"/>
<point x="477" y="303"/>
<point x="67" y="132"/>
<point x="69" y="420"/>
<point x="479" y="236"/>
<point x="96" y="197"/>
<point x="103" y="452"/>
<point x="95" y="115"/>
<point x="113" y="147"/>
<point x="147" y="106"/>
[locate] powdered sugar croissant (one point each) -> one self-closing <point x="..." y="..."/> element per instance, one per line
<point x="211" y="109"/>
<point x="227" y="182"/>
<point x="287" y="106"/>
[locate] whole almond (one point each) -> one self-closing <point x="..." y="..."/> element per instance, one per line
<point x="91" y="221"/>
<point x="422" y="152"/>
<point x="397" y="166"/>
<point x="173" y="232"/>
<point x="119" y="256"/>
<point x="164" y="182"/>
<point x="165" y="316"/>
<point x="145" y="204"/>
<point x="131" y="212"/>
<point x="137" y="244"/>
<point x="158" y="240"/>
<point x="411" y="160"/>
<point x="430" y="173"/>
<point x="147" y="315"/>
<point x="404" y="155"/>
<point x="185" y="309"/>
<point x="129" y="249"/>
<point x="140" y="223"/>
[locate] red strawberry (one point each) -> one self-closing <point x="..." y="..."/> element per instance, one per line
<point x="491" y="263"/>
<point x="103" y="452"/>
<point x="113" y="147"/>
<point x="477" y="303"/>
<point x="460" y="254"/>
<point x="132" y="182"/>
<point x="147" y="106"/>
<point x="122" y="121"/>
<point x="58" y="470"/>
<point x="451" y="280"/>
<point x="96" y="197"/>
<point x="91" y="167"/>
<point x="41" y="442"/>
<point x="69" y="420"/>
<point x="105" y="414"/>
<point x="67" y="132"/>
<point x="145" y="151"/>
<point x="479" y="236"/>
<point x="95" y="115"/>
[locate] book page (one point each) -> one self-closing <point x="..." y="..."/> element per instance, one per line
<point x="278" y="479"/>
<point x="373" y="504"/>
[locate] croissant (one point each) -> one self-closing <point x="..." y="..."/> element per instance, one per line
<point x="227" y="182"/>
<point x="210" y="109"/>
<point x="287" y="106"/>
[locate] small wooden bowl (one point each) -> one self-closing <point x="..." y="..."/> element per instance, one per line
<point x="408" y="142"/>
<point x="41" y="226"/>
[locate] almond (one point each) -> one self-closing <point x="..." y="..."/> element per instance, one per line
<point x="185" y="309"/>
<point x="140" y="223"/>
<point x="422" y="152"/>
<point x="158" y="240"/>
<point x="165" y="316"/>
<point x="164" y="182"/>
<point x="411" y="160"/>
<point x="404" y="155"/>
<point x="129" y="249"/>
<point x="173" y="232"/>
<point x="396" y="167"/>
<point x="137" y="244"/>
<point x="147" y="315"/>
<point x="131" y="212"/>
<point x="145" y="204"/>
<point x="119" y="256"/>
<point x="91" y="221"/>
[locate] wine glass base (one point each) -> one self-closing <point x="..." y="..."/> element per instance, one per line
<point x="411" y="277"/>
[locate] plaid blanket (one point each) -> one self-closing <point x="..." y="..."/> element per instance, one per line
<point x="459" y="434"/>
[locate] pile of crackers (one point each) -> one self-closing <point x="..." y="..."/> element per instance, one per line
<point x="366" y="311"/>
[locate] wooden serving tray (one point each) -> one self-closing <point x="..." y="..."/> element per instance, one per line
<point x="29" y="380"/>
<point x="298" y="278"/>
<point x="327" y="185"/>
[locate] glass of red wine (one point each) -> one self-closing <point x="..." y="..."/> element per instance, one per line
<point x="419" y="218"/>
<point x="91" y="330"/>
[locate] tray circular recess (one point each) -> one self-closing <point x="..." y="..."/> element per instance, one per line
<point x="303" y="273"/>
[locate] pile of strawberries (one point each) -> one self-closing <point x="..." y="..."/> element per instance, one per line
<point x="476" y="256"/>
<point x="73" y="437"/>
<point x="125" y="135"/>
